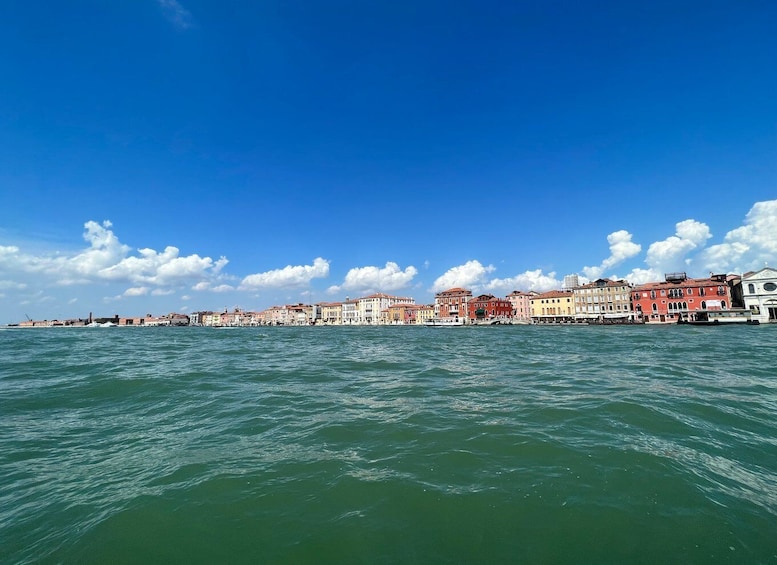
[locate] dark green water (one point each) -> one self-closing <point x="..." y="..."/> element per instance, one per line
<point x="389" y="445"/>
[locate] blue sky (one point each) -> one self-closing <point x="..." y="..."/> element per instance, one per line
<point x="183" y="155"/>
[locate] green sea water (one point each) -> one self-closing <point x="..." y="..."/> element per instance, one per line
<point x="514" y="444"/>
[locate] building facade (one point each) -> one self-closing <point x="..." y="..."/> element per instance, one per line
<point x="664" y="302"/>
<point x="451" y="304"/>
<point x="603" y="299"/>
<point x="331" y="313"/>
<point x="521" y="302"/>
<point x="759" y="293"/>
<point x="489" y="307"/>
<point x="553" y="307"/>
<point x="370" y="308"/>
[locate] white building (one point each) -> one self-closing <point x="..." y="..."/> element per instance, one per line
<point x="350" y="312"/>
<point x="570" y="282"/>
<point x="759" y="292"/>
<point x="370" y="307"/>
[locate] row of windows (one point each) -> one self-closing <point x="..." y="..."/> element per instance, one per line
<point x="682" y="306"/>
<point x="768" y="287"/>
<point x="678" y="292"/>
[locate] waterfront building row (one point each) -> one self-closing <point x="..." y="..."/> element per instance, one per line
<point x="600" y="301"/>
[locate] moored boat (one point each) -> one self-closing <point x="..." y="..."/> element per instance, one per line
<point x="717" y="317"/>
<point x="444" y="323"/>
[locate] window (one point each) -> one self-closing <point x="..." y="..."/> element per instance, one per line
<point x="770" y="287"/>
<point x="751" y="288"/>
<point x="655" y="308"/>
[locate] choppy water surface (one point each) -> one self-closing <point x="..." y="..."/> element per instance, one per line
<point x="386" y="445"/>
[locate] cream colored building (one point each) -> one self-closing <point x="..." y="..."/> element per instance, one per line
<point x="370" y="307"/>
<point x="603" y="299"/>
<point x="332" y="313"/>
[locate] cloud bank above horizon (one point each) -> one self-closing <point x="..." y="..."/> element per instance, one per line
<point x="105" y="261"/>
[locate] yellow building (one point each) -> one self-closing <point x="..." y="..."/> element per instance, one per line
<point x="553" y="307"/>
<point x="332" y="313"/>
<point x="424" y="313"/>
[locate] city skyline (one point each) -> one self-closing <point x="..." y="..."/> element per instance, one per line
<point x="182" y="156"/>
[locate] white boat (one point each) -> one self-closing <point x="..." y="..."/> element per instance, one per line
<point x="717" y="317"/>
<point x="444" y="323"/>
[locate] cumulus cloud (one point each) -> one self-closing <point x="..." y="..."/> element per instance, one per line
<point x="670" y="254"/>
<point x="643" y="276"/>
<point x="223" y="288"/>
<point x="469" y="274"/>
<point x="106" y="259"/>
<point x="163" y="268"/>
<point x="748" y="247"/>
<point x="136" y="291"/>
<point x="374" y="279"/>
<point x="530" y="280"/>
<point x="177" y="14"/>
<point x="162" y="292"/>
<point x="293" y="276"/>
<point x="621" y="248"/>
<point x="674" y="253"/>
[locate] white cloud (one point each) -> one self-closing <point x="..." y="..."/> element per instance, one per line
<point x="374" y="279"/>
<point x="670" y="254"/>
<point x="467" y="275"/>
<point x="748" y="247"/>
<point x="163" y="268"/>
<point x="177" y="14"/>
<point x="162" y="292"/>
<point x="621" y="248"/>
<point x="642" y="276"/>
<point x="136" y="291"/>
<point x="530" y="280"/>
<point x="223" y="288"/>
<point x="288" y="276"/>
<point x="107" y="259"/>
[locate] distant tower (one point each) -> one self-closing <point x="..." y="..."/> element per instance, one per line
<point x="570" y="282"/>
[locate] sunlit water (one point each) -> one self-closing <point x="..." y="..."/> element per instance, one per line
<point x="389" y="445"/>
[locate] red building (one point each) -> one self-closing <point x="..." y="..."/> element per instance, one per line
<point x="489" y="307"/>
<point x="662" y="302"/>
